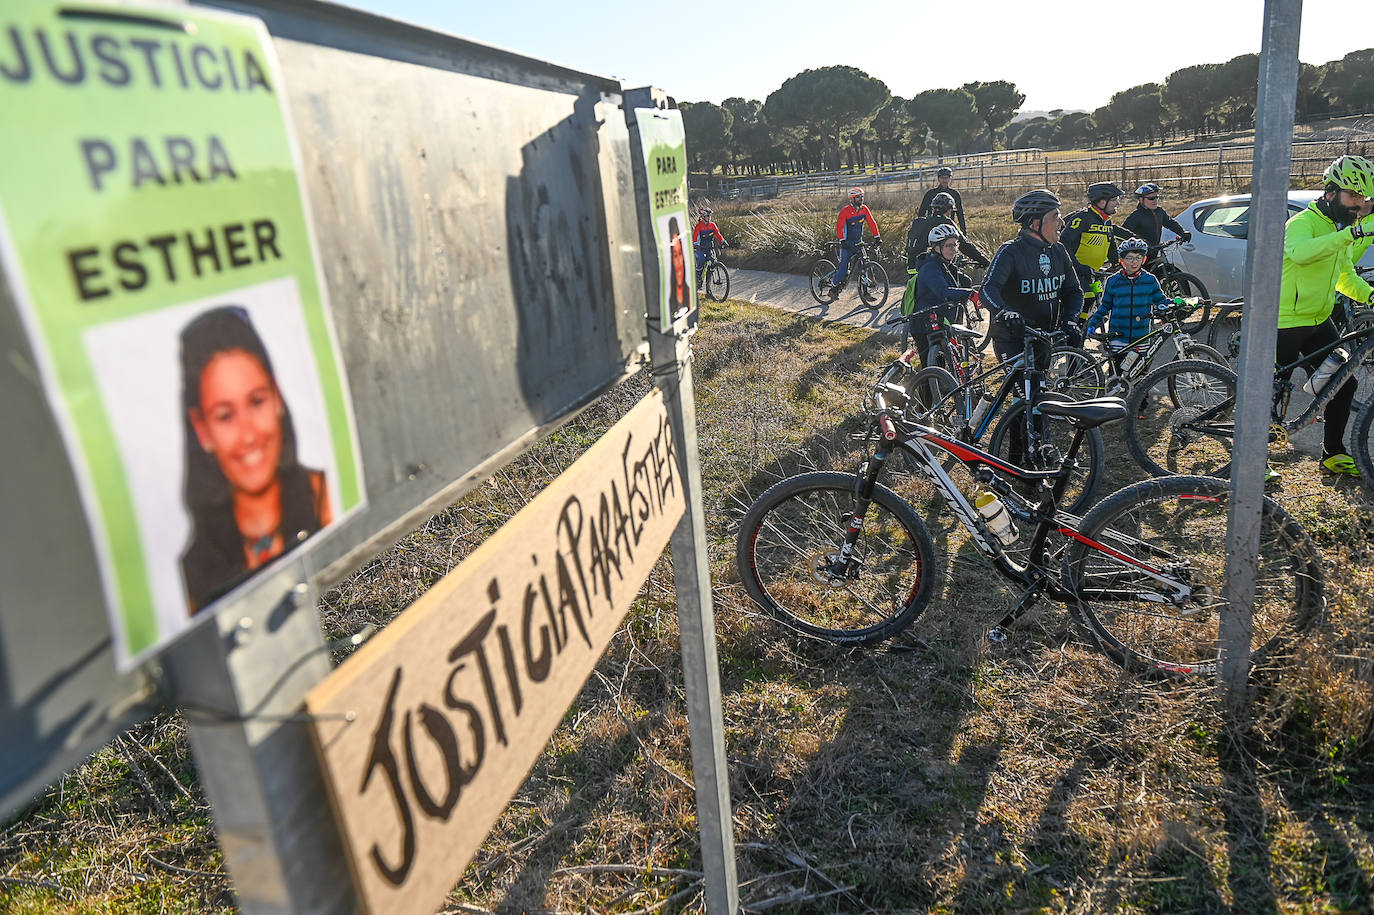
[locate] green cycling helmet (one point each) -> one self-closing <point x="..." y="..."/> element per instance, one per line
<point x="1351" y="173"/>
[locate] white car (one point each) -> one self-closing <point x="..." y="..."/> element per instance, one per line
<point x="1216" y="253"/>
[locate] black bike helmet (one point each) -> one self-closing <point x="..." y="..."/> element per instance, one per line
<point x="942" y="202"/>
<point x="1103" y="190"/>
<point x="1033" y="205"/>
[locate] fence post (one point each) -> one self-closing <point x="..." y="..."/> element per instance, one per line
<point x="1347" y="144"/>
<point x="1123" y="166"/>
<point x="982" y="180"/>
<point x="1220" y="160"/>
<point x="1047" y="172"/>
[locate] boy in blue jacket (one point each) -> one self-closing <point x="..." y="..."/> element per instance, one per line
<point x="1129" y="297"/>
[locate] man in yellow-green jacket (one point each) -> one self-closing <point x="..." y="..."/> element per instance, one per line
<point x="1317" y="262"/>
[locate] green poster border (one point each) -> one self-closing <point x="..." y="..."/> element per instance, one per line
<point x="662" y="136"/>
<point x="271" y="162"/>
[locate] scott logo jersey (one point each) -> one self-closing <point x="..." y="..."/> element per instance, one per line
<point x="1088" y="236"/>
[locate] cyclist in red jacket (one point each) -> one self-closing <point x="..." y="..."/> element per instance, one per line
<point x="705" y="236"/>
<point x="849" y="229"/>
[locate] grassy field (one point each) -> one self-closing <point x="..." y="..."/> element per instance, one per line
<point x="936" y="773"/>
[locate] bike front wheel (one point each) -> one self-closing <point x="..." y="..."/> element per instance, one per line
<point x="873" y="286"/>
<point x="1148" y="571"/>
<point x="718" y="283"/>
<point x="1009" y="443"/>
<point x="1180" y="419"/>
<point x="1361" y="436"/>
<point x="1223" y="331"/>
<point x="789" y="557"/>
<point x="822" y="272"/>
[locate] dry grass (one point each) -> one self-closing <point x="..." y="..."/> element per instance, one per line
<point x="937" y="773"/>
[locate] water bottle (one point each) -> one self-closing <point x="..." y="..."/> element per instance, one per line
<point x="1330" y="366"/>
<point x="1129" y="360"/>
<point x="995" y="516"/>
<point x="981" y="410"/>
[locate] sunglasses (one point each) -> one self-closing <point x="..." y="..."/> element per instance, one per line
<point x="1151" y="196"/>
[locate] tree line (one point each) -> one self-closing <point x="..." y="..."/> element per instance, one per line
<point x="831" y="117"/>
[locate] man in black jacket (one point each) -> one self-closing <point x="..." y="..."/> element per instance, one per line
<point x="1148" y="220"/>
<point x="944" y="177"/>
<point x="1032" y="279"/>
<point x="917" y="235"/>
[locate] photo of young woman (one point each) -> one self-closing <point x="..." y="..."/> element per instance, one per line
<point x="248" y="497"/>
<point x="677" y="290"/>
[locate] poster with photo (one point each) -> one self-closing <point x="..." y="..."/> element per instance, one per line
<point x="665" y="152"/>
<point x="154" y="233"/>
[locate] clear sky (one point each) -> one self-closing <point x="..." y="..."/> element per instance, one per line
<point x="718" y="50"/>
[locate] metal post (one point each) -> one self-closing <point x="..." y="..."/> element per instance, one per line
<point x="241" y="680"/>
<point x="1221" y="147"/>
<point x="1123" y="167"/>
<point x="982" y="180"/>
<point x="671" y="356"/>
<point x="1277" y="100"/>
<point x="1047" y="171"/>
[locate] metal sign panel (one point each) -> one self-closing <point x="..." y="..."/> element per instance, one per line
<point x="478" y="238"/>
<point x="429" y="730"/>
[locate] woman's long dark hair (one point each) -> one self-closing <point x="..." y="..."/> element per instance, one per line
<point x="214" y="561"/>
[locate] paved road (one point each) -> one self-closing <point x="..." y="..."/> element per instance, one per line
<point x="791" y="292"/>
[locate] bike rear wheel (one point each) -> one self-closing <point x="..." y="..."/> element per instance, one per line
<point x="789" y="560"/>
<point x="1188" y="286"/>
<point x="822" y="272"/>
<point x="1172" y="528"/>
<point x="1223" y="331"/>
<point x="873" y="286"/>
<point x="1180" y="419"/>
<point x="976" y="320"/>
<point x="1074" y="373"/>
<point x="1008" y="443"/>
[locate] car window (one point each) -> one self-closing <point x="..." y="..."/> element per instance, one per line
<point x="1230" y="220"/>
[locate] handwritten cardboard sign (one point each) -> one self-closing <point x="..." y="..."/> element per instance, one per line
<point x="430" y="728"/>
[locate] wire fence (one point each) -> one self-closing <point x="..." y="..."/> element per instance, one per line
<point x="1220" y="168"/>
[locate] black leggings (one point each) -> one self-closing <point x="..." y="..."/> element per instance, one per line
<point x="1298" y="342"/>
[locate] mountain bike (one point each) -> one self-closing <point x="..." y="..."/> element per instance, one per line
<point x="1177" y="283"/>
<point x="713" y="278"/>
<point x="1123" y="367"/>
<point x="975" y="401"/>
<point x="873" y="286"/>
<point x="1181" y="417"/>
<point x="844" y="558"/>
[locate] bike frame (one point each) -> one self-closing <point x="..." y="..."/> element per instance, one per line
<point x="1225" y="431"/>
<point x="1170" y="331"/>
<point x="922" y="445"/>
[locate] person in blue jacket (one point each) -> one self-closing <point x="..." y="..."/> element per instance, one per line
<point x="938" y="284"/>
<point x="1129" y="298"/>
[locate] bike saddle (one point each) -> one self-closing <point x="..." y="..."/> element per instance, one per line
<point x="960" y="330"/>
<point x="1085" y="413"/>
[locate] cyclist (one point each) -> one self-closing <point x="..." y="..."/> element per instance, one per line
<point x="917" y="237"/>
<point x="1317" y="247"/>
<point x="1148" y="219"/>
<point x="938" y="282"/>
<point x="849" y="229"/>
<point x="1090" y="238"/>
<point x="1128" y="298"/>
<point x="705" y="236"/>
<point x="944" y="177"/>
<point x="1032" y="281"/>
